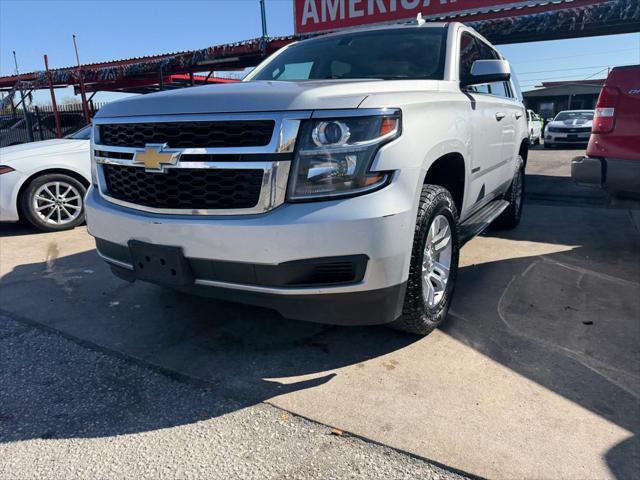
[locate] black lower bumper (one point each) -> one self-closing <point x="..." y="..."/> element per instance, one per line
<point x="370" y="307"/>
<point x="272" y="286"/>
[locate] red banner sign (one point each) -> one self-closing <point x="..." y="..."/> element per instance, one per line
<point x="323" y="15"/>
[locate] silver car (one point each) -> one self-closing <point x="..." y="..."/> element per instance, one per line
<point x="569" y="127"/>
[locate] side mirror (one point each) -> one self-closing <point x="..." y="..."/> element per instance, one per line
<point x="487" y="71"/>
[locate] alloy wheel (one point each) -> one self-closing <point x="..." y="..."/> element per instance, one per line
<point x="436" y="261"/>
<point x="57" y="203"/>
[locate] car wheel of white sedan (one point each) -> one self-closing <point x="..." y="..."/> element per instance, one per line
<point x="54" y="202"/>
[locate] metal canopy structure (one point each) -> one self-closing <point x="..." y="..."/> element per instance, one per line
<point x="141" y="74"/>
<point x="106" y="75"/>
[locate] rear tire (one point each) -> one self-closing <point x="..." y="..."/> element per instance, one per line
<point x="434" y="263"/>
<point x="53" y="202"/>
<point x="549" y="145"/>
<point x="510" y="218"/>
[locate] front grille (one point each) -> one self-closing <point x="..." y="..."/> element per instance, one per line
<point x="573" y="140"/>
<point x="245" y="133"/>
<point x="570" y="130"/>
<point x="185" y="188"/>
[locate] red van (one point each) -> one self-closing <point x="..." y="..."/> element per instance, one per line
<point x="613" y="154"/>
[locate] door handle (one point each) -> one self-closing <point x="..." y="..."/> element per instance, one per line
<point x="500" y="115"/>
<point x="518" y="115"/>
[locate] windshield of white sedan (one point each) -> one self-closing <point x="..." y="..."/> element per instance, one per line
<point x="574" y="116"/>
<point x="406" y="53"/>
<point x="83" y="134"/>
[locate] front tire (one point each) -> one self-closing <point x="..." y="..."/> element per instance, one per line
<point x="434" y="263"/>
<point x="53" y="202"/>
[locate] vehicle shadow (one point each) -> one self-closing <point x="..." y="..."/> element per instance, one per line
<point x="18" y="229"/>
<point x="566" y="320"/>
<point x="553" y="189"/>
<point x="229" y="350"/>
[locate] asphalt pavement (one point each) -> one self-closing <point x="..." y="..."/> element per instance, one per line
<point x="68" y="410"/>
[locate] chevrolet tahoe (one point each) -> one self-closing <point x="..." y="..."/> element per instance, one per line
<point x="336" y="183"/>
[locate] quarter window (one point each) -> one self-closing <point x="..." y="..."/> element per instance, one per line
<point x="499" y="89"/>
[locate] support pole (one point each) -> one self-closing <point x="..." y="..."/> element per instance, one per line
<point x="27" y="120"/>
<point x="13" y="105"/>
<point x="83" y="94"/>
<point x="263" y="16"/>
<point x="54" y="104"/>
<point x="208" y="77"/>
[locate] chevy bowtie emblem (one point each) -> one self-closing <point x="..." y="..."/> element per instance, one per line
<point x="155" y="156"/>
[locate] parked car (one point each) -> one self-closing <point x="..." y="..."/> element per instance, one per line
<point x="535" y="127"/>
<point x="569" y="127"/>
<point x="45" y="182"/>
<point x="613" y="153"/>
<point x="336" y="183"/>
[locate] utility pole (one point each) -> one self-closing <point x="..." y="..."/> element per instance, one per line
<point x="263" y="15"/>
<point x="56" y="114"/>
<point x="27" y="120"/>
<point x="83" y="94"/>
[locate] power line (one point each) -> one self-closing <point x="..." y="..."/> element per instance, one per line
<point x="580" y="55"/>
<point x="596" y="73"/>
<point x="536" y="80"/>
<point x="561" y="70"/>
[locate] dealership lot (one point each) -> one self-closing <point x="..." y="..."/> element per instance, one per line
<point x="535" y="373"/>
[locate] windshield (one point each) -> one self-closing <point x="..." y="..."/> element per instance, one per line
<point x="574" y="116"/>
<point x="83" y="134"/>
<point x="403" y="53"/>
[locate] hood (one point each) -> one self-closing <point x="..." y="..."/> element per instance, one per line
<point x="571" y="123"/>
<point x="45" y="147"/>
<point x="260" y="96"/>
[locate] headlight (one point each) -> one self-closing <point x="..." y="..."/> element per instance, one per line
<point x="333" y="156"/>
<point x="94" y="165"/>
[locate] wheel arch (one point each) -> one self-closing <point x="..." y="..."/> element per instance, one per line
<point x="75" y="175"/>
<point x="449" y="171"/>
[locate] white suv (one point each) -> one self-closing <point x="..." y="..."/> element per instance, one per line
<point x="335" y="184"/>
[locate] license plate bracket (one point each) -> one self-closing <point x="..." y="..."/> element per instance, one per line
<point x="160" y="263"/>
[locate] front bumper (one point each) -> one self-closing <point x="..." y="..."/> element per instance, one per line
<point x="378" y="226"/>
<point x="10" y="184"/>
<point x="561" y="138"/>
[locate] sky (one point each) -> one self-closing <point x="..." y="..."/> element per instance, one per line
<point x="116" y="29"/>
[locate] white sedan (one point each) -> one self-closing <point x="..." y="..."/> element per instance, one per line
<point x="45" y="182"/>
